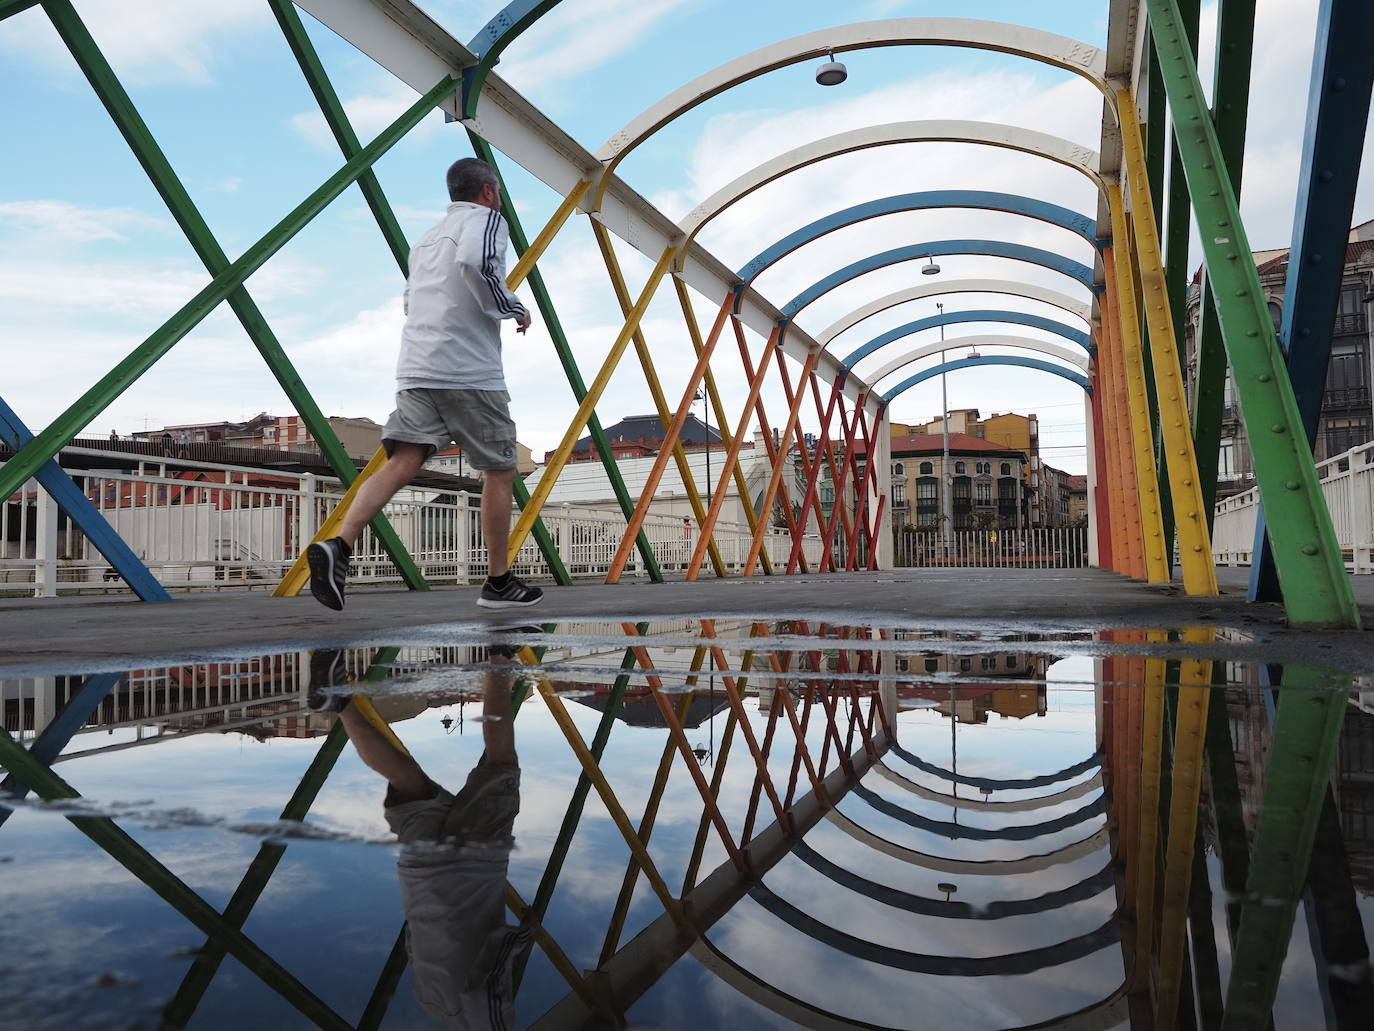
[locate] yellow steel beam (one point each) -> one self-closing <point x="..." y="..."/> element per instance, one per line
<point x="1132" y="356"/>
<point x="559" y="459"/>
<point x="299" y="574"/>
<point x="541" y="242"/>
<point x="713" y="398"/>
<point x="665" y="416"/>
<point x="1147" y="849"/>
<point x="1195" y="543"/>
<point x="603" y="788"/>
<point x="1190" y="729"/>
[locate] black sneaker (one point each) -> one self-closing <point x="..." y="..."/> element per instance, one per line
<point x="515" y="595"/>
<point x="509" y="649"/>
<point x="328" y="571"/>
<point x="327" y="670"/>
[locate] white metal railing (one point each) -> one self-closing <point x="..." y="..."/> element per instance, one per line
<point x="1058" y="547"/>
<point x="1347" y="483"/>
<point x="218" y="526"/>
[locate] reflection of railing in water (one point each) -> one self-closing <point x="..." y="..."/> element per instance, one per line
<point x="1064" y="547"/>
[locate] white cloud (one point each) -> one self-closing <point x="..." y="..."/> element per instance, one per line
<point x="369" y="112"/>
<point x="151" y="41"/>
<point x="63" y="221"/>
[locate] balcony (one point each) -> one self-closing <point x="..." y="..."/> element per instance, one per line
<point x="1346" y="397"/>
<point x="1350" y="324"/>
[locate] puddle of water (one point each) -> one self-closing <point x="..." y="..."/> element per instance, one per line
<point x="941" y="828"/>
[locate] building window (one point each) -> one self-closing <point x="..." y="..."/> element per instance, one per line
<point x="897" y="469"/>
<point x="927" y="490"/>
<point x="903" y="665"/>
<point x="932" y="665"/>
<point x="1010" y="661"/>
<point x="899" y="492"/>
<point x="984" y="493"/>
<point x="1226" y="459"/>
<point x="965" y="665"/>
<point x="927" y="469"/>
<point x="1006" y="468"/>
<point x="1344" y="434"/>
<point x="827" y="493"/>
<point x="959" y="468"/>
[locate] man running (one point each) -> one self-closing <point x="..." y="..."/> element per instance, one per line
<point x="449" y="384"/>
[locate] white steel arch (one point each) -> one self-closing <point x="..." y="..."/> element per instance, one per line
<point x="954" y="286"/>
<point x="1072" y="356"/>
<point x="1036" y="45"/>
<point x="992" y="134"/>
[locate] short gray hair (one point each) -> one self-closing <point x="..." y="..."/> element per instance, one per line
<point x="467" y="176"/>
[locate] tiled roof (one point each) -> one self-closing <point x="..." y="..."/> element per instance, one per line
<point x="651" y="428"/>
<point x="934" y="443"/>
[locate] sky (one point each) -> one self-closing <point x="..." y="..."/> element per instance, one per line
<point x="91" y="263"/>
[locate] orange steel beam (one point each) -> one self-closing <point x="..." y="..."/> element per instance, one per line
<point x="813" y="477"/>
<point x="646" y="363"/>
<point x="1112" y="306"/>
<point x="839" y="473"/>
<point x="689" y="316"/>
<point x="732" y="691"/>
<point x="809" y="497"/>
<point x="1117" y="415"/>
<point x="685" y="750"/>
<point x="732" y="457"/>
<point x="767" y="428"/>
<point x="1098" y="458"/>
<point x="860" y="493"/>
<point x="665" y="452"/>
<point x="774" y="709"/>
<point x="780" y="459"/>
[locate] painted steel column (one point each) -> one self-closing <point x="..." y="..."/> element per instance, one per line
<point x="713" y="399"/>
<point x="1316" y="590"/>
<point x="1230" y="108"/>
<point x="560" y="457"/>
<point x="780" y="460"/>
<point x="1126" y="332"/>
<point x="732" y="457"/>
<point x="881" y="549"/>
<point x="668" y="448"/>
<point x="1337" y="106"/>
<point x="1195" y="543"/>
<point x="670" y="443"/>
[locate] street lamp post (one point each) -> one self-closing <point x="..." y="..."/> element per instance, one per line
<point x="706" y="411"/>
<point x="946" y="483"/>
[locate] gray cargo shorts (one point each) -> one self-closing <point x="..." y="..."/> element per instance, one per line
<point x="484" y="810"/>
<point x="478" y="421"/>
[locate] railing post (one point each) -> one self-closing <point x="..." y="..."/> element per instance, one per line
<point x="45" y="545"/>
<point x="1361" y="510"/>
<point x="307" y="515"/>
<point x="565" y="535"/>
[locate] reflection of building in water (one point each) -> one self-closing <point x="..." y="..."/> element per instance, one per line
<point x="1011" y="684"/>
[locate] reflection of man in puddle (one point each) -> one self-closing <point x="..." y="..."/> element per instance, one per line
<point x="454" y="853"/>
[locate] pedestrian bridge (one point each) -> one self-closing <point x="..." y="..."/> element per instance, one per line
<point x="828" y="791"/>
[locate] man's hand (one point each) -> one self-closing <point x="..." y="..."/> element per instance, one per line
<point x="523" y="323"/>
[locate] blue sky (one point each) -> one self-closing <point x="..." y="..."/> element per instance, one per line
<point x="90" y="262"/>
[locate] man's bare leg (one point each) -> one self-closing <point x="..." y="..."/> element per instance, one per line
<point x="497" y="497"/>
<point x="498" y="730"/>
<point x="405" y="462"/>
<point x="408" y="782"/>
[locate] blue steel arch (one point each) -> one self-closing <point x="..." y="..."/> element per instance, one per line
<point x="987" y="200"/>
<point x="992" y="248"/>
<point x="991" y="359"/>
<point x="951" y="318"/>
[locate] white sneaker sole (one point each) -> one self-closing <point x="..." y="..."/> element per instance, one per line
<point x="489" y="603"/>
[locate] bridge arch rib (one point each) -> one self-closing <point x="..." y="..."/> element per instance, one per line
<point x="990" y="359"/>
<point x="892" y="133"/>
<point x="954" y="286"/>
<point x="1074" y="358"/>
<point x="954" y="318"/>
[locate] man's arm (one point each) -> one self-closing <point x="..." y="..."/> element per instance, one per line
<point x="482" y="256"/>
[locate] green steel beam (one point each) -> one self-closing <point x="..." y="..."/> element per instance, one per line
<point x="387" y="981"/>
<point x="1316" y="589"/>
<point x="1230" y="109"/>
<point x="138" y="861"/>
<point x="569" y="361"/>
<point x="99" y="397"/>
<point x="336" y="118"/>
<point x="10" y="7"/>
<point x="141" y="142"/>
<point x="1302" y="751"/>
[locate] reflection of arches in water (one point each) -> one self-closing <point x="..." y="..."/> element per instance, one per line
<point x="1099" y="1016"/>
<point x="1085" y="889"/>
<point x="1018" y="805"/>
<point x="994" y="783"/>
<point x="1017" y="832"/>
<point x="1024" y="864"/>
<point x="1011" y="963"/>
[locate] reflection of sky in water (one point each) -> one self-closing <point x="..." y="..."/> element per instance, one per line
<point x="84" y="940"/>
